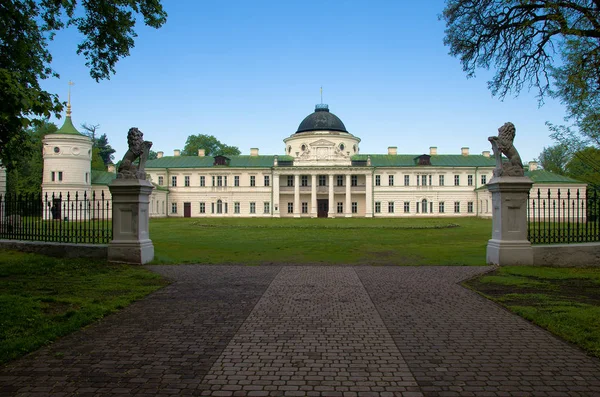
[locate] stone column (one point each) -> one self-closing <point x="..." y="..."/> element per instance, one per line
<point x="313" y="196"/>
<point x="296" y="196"/>
<point x="130" y="221"/>
<point x="369" y="195"/>
<point x="509" y="244"/>
<point x="276" y="209"/>
<point x="331" y="213"/>
<point x="348" y="205"/>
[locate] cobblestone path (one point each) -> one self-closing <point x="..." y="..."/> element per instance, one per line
<point x="308" y="331"/>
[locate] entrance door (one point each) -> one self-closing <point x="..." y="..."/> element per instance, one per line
<point x="187" y="210"/>
<point x="56" y="209"/>
<point x="322" y="208"/>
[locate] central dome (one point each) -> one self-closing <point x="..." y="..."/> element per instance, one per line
<point x="321" y="120"/>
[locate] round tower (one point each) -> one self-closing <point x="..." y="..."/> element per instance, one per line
<point x="67" y="168"/>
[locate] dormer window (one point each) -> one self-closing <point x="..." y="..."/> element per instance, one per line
<point x="423" y="159"/>
<point x="221" y="160"/>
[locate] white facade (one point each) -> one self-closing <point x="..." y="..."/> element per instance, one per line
<point x="323" y="174"/>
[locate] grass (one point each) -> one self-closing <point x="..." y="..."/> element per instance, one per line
<point x="43" y="298"/>
<point x="354" y="241"/>
<point x="565" y="301"/>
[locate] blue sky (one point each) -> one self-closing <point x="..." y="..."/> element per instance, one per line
<point x="249" y="72"/>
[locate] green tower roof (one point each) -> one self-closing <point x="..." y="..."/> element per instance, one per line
<point x="68" y="128"/>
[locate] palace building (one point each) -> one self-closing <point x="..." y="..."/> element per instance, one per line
<point x="324" y="174"/>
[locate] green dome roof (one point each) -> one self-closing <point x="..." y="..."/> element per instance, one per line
<point x="68" y="128"/>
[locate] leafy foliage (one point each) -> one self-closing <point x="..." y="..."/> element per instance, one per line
<point x="25" y="172"/>
<point x="585" y="166"/>
<point x="555" y="158"/>
<point x="210" y="144"/>
<point x="28" y="26"/>
<point x="550" y="46"/>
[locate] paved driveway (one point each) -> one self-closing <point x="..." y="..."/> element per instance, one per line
<point x="309" y="331"/>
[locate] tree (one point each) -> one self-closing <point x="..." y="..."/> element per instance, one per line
<point x="585" y="166"/>
<point x="551" y="46"/>
<point x="25" y="174"/>
<point x="28" y="26"/>
<point x="105" y="151"/>
<point x="152" y="155"/>
<point x="210" y="144"/>
<point x="555" y="158"/>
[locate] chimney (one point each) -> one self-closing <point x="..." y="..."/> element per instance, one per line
<point x="111" y="168"/>
<point x="254" y="151"/>
<point x="485" y="153"/>
<point x="159" y="155"/>
<point x="201" y="152"/>
<point x="433" y="151"/>
<point x="275" y="161"/>
<point x="176" y="152"/>
<point x="392" y="150"/>
<point x="464" y="151"/>
<point x="533" y="165"/>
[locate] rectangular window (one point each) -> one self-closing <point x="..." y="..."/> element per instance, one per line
<point x="252" y="180"/>
<point x="236" y="180"/>
<point x="305" y="208"/>
<point x="483" y="179"/>
<point x="173" y="208"/>
<point x="424" y="180"/>
<point x="304" y="180"/>
<point x="161" y="180"/>
<point x="340" y="207"/>
<point x="470" y="180"/>
<point x="53" y="176"/>
<point x="431" y="207"/>
<point x="225" y="180"/>
<point x="60" y="176"/>
<point x="417" y="207"/>
<point x="456" y="180"/>
<point x="267" y="207"/>
<point x="202" y="207"/>
<point x="391" y="180"/>
<point x="290" y="180"/>
<point x="418" y="180"/>
<point x="290" y="208"/>
<point x="267" y="180"/>
<point x="202" y="181"/>
<point x="470" y="207"/>
<point x="391" y="207"/>
<point x="219" y="180"/>
<point x="322" y="180"/>
<point x="406" y="207"/>
<point x="378" y="207"/>
<point x="225" y="207"/>
<point x="213" y="181"/>
<point x="430" y="180"/>
<point x="457" y="207"/>
<point x="377" y="180"/>
<point x="173" y="181"/>
<point x="186" y="180"/>
<point x="355" y="207"/>
<point x="212" y="208"/>
<point x="406" y="180"/>
<point x="340" y="180"/>
<point x="354" y="180"/>
<point x="87" y="174"/>
<point x="253" y="207"/>
<point x="441" y="207"/>
<point x="441" y="180"/>
<point x="236" y="207"/>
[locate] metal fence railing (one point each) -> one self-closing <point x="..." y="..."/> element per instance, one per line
<point x="563" y="217"/>
<point x="71" y="218"/>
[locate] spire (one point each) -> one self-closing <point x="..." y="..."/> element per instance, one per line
<point x="69" y="102"/>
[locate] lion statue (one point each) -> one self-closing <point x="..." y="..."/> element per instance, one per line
<point x="138" y="149"/>
<point x="503" y="144"/>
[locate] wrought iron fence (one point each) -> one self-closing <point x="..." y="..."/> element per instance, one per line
<point x="71" y="218"/>
<point x="559" y="217"/>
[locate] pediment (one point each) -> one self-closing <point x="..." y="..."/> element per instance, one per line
<point x="322" y="142"/>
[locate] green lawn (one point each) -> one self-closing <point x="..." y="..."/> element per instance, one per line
<point x="42" y="298"/>
<point x="566" y="301"/>
<point x="355" y="241"/>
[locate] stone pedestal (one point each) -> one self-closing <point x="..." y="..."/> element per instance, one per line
<point x="130" y="216"/>
<point x="509" y="244"/>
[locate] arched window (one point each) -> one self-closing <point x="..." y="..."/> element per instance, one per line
<point x="219" y="207"/>
<point x="424" y="206"/>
